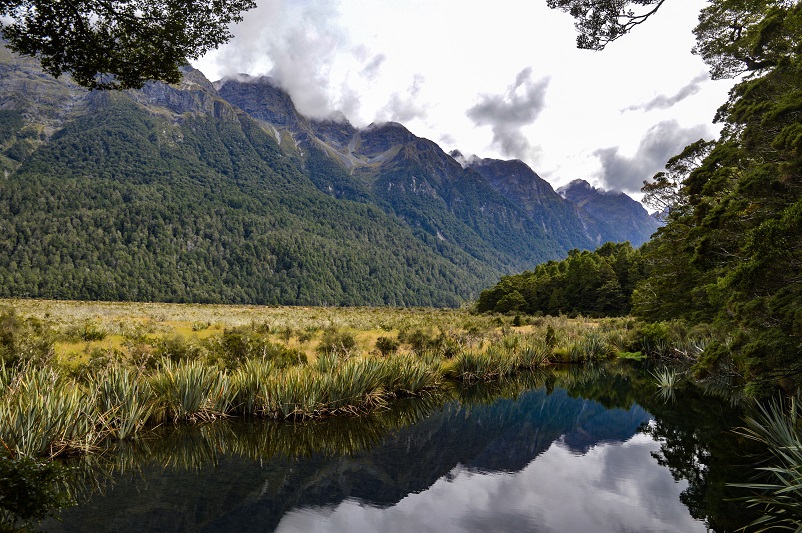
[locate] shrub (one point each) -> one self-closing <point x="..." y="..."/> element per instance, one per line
<point x="238" y="345"/>
<point x="386" y="345"/>
<point x="24" y="340"/>
<point x="176" y="348"/>
<point x="335" y="341"/>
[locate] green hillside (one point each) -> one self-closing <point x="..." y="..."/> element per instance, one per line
<point x="127" y="203"/>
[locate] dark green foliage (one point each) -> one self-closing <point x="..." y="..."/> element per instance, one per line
<point x="336" y="342"/>
<point x="458" y="213"/>
<point x="119" y="44"/>
<point x="124" y="205"/>
<point x="730" y="252"/>
<point x="24" y="340"/>
<point x="596" y="283"/>
<point x="30" y="490"/>
<point x="386" y="345"/>
<point x="10" y="123"/>
<point x="176" y="349"/>
<point x="238" y="345"/>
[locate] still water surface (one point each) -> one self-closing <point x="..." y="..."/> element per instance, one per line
<point x="581" y="451"/>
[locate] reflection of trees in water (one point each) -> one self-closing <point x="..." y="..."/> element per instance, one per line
<point x="498" y="426"/>
<point x="698" y="444"/>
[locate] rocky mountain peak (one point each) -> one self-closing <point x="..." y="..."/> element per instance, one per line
<point x="618" y="215"/>
<point x="380" y="137"/>
<point x="263" y="99"/>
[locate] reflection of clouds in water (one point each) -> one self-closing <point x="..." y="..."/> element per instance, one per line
<point x="614" y="487"/>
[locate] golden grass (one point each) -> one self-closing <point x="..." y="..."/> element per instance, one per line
<point x="201" y="321"/>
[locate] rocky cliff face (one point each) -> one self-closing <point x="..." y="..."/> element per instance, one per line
<point x="617" y="216"/>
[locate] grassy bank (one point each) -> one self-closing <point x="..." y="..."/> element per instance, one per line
<point x="76" y="374"/>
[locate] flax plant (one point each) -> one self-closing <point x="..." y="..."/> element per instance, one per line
<point x="126" y="400"/>
<point x="44" y="414"/>
<point x="248" y="383"/>
<point x="777" y="426"/>
<point x="191" y="391"/>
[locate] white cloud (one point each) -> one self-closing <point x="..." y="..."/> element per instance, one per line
<point x="614" y="487"/>
<point x="660" y="143"/>
<point x="508" y="113"/>
<point x="664" y="102"/>
<point x="362" y="57"/>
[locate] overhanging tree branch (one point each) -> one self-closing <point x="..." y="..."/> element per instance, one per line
<point x="118" y="44"/>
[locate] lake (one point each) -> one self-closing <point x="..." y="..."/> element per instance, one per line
<point x="569" y="450"/>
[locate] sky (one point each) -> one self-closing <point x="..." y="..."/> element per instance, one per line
<point x="614" y="487"/>
<point x="499" y="79"/>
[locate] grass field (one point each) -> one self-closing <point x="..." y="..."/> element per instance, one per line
<point x="76" y="373"/>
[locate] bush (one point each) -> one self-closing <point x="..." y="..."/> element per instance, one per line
<point x="24" y="340"/>
<point x="386" y="345"/>
<point x="237" y="345"/>
<point x="338" y="342"/>
<point x="176" y="348"/>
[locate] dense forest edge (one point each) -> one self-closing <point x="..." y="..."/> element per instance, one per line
<point x="728" y="258"/>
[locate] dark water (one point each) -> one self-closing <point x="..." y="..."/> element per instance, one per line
<point x="580" y="451"/>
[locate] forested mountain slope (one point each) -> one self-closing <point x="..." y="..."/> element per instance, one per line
<point x="224" y="193"/>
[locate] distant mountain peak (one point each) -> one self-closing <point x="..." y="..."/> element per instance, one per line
<point x="582" y="185"/>
<point x="247" y="78"/>
<point x="614" y="211"/>
<point x="378" y="126"/>
<point x="464" y="161"/>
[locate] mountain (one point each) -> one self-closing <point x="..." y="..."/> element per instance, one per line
<point x="225" y="193"/>
<point x="616" y="216"/>
<point x="521" y="185"/>
<point x="450" y="208"/>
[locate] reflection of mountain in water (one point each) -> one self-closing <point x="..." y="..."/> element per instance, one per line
<point x="242" y="495"/>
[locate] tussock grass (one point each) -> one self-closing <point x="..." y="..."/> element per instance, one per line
<point x="125" y="366"/>
<point x="191" y="391"/>
<point x="125" y="399"/>
<point x="44" y="414"/>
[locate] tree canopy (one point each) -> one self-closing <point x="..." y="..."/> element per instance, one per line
<point x="596" y="283"/>
<point x="731" y="251"/>
<point x="118" y="44"/>
<point x="600" y="22"/>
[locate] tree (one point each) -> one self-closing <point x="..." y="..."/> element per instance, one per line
<point x="600" y="22"/>
<point x="731" y="250"/>
<point x="118" y="44"/>
<point x="665" y="193"/>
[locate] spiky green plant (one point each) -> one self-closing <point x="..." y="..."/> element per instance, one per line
<point x="777" y="426"/>
<point x="665" y="378"/>
<point x="358" y="382"/>
<point x="533" y="354"/>
<point x="248" y="386"/>
<point x="327" y="362"/>
<point x="295" y="393"/>
<point x="45" y="414"/>
<point x="494" y="363"/>
<point x="595" y="346"/>
<point x="125" y="400"/>
<point x="190" y="390"/>
<point x="410" y="375"/>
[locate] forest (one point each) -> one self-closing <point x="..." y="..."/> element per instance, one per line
<point x="730" y="254"/>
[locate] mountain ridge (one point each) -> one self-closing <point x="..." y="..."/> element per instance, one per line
<point x="223" y="192"/>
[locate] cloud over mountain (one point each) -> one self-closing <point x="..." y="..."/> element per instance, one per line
<point x="508" y="113"/>
<point x="406" y="106"/>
